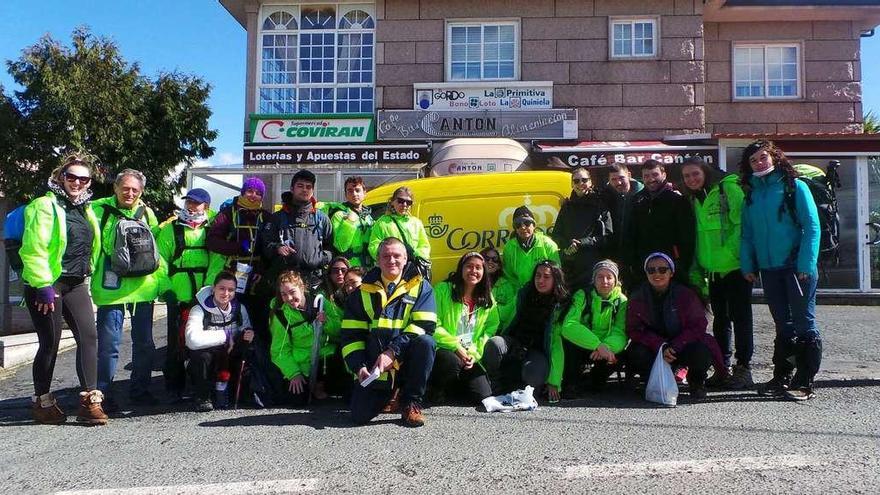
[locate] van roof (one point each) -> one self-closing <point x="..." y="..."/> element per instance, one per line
<point x="455" y="185"/>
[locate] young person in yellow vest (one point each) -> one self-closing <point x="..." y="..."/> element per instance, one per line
<point x="125" y="280"/>
<point x="59" y="248"/>
<point x="182" y="247"/>
<point x="234" y="235"/>
<point x="467" y="317"/>
<point x="399" y="223"/>
<point x="386" y="336"/>
<point x="352" y="223"/>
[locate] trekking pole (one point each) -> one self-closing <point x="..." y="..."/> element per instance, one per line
<point x="244" y="356"/>
<point x="318" y="327"/>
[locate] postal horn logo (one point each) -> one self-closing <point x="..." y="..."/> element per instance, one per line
<point x="436" y="228"/>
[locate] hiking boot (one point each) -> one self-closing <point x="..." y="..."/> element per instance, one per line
<point x="90" y="410"/>
<point x="718" y="380"/>
<point x="698" y="392"/>
<point x="109" y="405"/>
<point x="412" y="416"/>
<point x="775" y="387"/>
<point x="740" y="378"/>
<point x="393" y="406"/>
<point x="45" y="410"/>
<point x="800" y="393"/>
<point x="204" y="405"/>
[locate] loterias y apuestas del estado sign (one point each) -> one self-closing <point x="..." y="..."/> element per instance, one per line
<point x="556" y="123"/>
<point x="310" y="155"/>
<point x="312" y="128"/>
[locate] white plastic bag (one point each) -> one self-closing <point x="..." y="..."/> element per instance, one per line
<point x="520" y="400"/>
<point x="662" y="388"/>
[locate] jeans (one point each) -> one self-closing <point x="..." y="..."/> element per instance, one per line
<point x="731" y="299"/>
<point x="110" y="319"/>
<point x="792" y="304"/>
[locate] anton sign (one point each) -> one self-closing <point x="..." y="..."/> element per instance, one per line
<point x="511" y="95"/>
<point x="558" y="123"/>
<point x="308" y="128"/>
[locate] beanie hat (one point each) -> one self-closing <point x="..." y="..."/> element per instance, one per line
<point x="522" y="214"/>
<point x="606" y="265"/>
<point x="254" y="183"/>
<point x="660" y="255"/>
<point x="303" y="175"/>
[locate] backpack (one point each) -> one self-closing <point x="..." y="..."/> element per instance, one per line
<point x="179" y="247"/>
<point x="13" y="233"/>
<point x="822" y="186"/>
<point x="134" y="250"/>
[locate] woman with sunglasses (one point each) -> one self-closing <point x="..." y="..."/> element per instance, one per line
<point x="466" y="318"/>
<point x="520" y="354"/>
<point x="59" y="249"/>
<point x="665" y="313"/>
<point x="502" y="290"/>
<point x="398" y="222"/>
<point x="334" y="292"/>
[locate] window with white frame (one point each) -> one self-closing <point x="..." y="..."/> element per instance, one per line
<point x="482" y="51"/>
<point x="766" y="71"/>
<point x="317" y="59"/>
<point x="633" y="38"/>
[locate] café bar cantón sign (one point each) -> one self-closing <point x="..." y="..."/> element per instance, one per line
<point x="503" y="95"/>
<point x="312" y="128"/>
<point x="555" y="123"/>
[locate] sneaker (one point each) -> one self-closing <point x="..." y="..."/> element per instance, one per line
<point x="774" y="388"/>
<point x="740" y="378"/>
<point x="717" y="380"/>
<point x="412" y="416"/>
<point x="698" y="392"/>
<point x="45" y="411"/>
<point x="145" y="399"/>
<point x="90" y="410"/>
<point x="204" y="405"/>
<point x="800" y="393"/>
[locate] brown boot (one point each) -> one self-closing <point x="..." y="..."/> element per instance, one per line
<point x="412" y="416"/>
<point x="46" y="411"/>
<point x="90" y="410"/>
<point x="393" y="405"/>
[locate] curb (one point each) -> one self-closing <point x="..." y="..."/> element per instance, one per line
<point x="19" y="350"/>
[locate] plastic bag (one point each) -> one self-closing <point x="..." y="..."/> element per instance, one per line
<point x="520" y="400"/>
<point x="662" y="388"/>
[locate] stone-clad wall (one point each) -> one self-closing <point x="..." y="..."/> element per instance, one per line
<point x="831" y="72"/>
<point x="564" y="41"/>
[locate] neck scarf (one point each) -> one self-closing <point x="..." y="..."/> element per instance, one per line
<point x="765" y="172"/>
<point x="248" y="204"/>
<point x="59" y="190"/>
<point x="192" y="219"/>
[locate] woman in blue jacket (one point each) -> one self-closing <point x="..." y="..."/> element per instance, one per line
<point x="780" y="240"/>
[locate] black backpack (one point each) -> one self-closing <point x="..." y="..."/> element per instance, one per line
<point x="823" y="188"/>
<point x="134" y="251"/>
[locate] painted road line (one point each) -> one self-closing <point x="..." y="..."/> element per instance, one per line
<point x="240" y="488"/>
<point x="692" y="467"/>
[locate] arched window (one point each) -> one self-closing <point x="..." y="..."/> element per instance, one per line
<point x="317" y="59"/>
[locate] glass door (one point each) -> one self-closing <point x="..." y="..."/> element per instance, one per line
<point x="873" y="225"/>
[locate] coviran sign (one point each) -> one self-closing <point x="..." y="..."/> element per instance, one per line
<point x="312" y="128"/>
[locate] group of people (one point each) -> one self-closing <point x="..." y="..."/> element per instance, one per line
<point x="321" y="299"/>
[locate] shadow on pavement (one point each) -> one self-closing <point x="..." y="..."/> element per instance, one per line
<point x="320" y="418"/>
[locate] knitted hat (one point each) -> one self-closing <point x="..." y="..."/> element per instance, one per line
<point x="254" y="183"/>
<point x="660" y="255"/>
<point x="523" y="214"/>
<point x="606" y="265"/>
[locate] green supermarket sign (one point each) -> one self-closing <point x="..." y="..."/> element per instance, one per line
<point x="312" y="128"/>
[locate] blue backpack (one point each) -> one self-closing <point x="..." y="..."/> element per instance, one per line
<point x="13" y="232"/>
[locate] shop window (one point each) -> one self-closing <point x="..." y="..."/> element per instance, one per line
<point x="766" y="71"/>
<point x="317" y="59"/>
<point x="482" y="51"/>
<point x="633" y="38"/>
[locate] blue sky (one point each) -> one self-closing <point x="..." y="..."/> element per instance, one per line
<point x="200" y="37"/>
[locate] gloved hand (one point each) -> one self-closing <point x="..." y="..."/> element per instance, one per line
<point x="46" y="295"/>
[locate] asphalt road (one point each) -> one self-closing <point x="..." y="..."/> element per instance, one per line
<point x="614" y="442"/>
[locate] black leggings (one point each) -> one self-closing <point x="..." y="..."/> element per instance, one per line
<point x="449" y="373"/>
<point x="74" y="303"/>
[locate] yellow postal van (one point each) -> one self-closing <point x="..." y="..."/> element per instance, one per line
<point x="465" y="213"/>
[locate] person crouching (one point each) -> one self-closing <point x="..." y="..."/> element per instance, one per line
<point x="218" y="328"/>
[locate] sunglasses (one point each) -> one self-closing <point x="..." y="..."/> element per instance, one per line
<point x="658" y="269"/>
<point x="404" y="202"/>
<point x="520" y="225"/>
<point x="76" y="178"/>
<point x="580" y="181"/>
<point x="339" y="269"/>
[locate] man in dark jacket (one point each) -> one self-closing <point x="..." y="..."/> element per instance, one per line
<point x="618" y="195"/>
<point x="662" y="221"/>
<point x="582" y="229"/>
<point x="299" y="236"/>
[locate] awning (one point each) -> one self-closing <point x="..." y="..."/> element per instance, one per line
<point x="477" y="155"/>
<point x="605" y="153"/>
<point x="823" y="142"/>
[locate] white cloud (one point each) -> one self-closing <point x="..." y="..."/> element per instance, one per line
<point x="222" y="159"/>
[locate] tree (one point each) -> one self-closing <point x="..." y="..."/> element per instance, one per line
<point x="871" y="123"/>
<point x="86" y="97"/>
